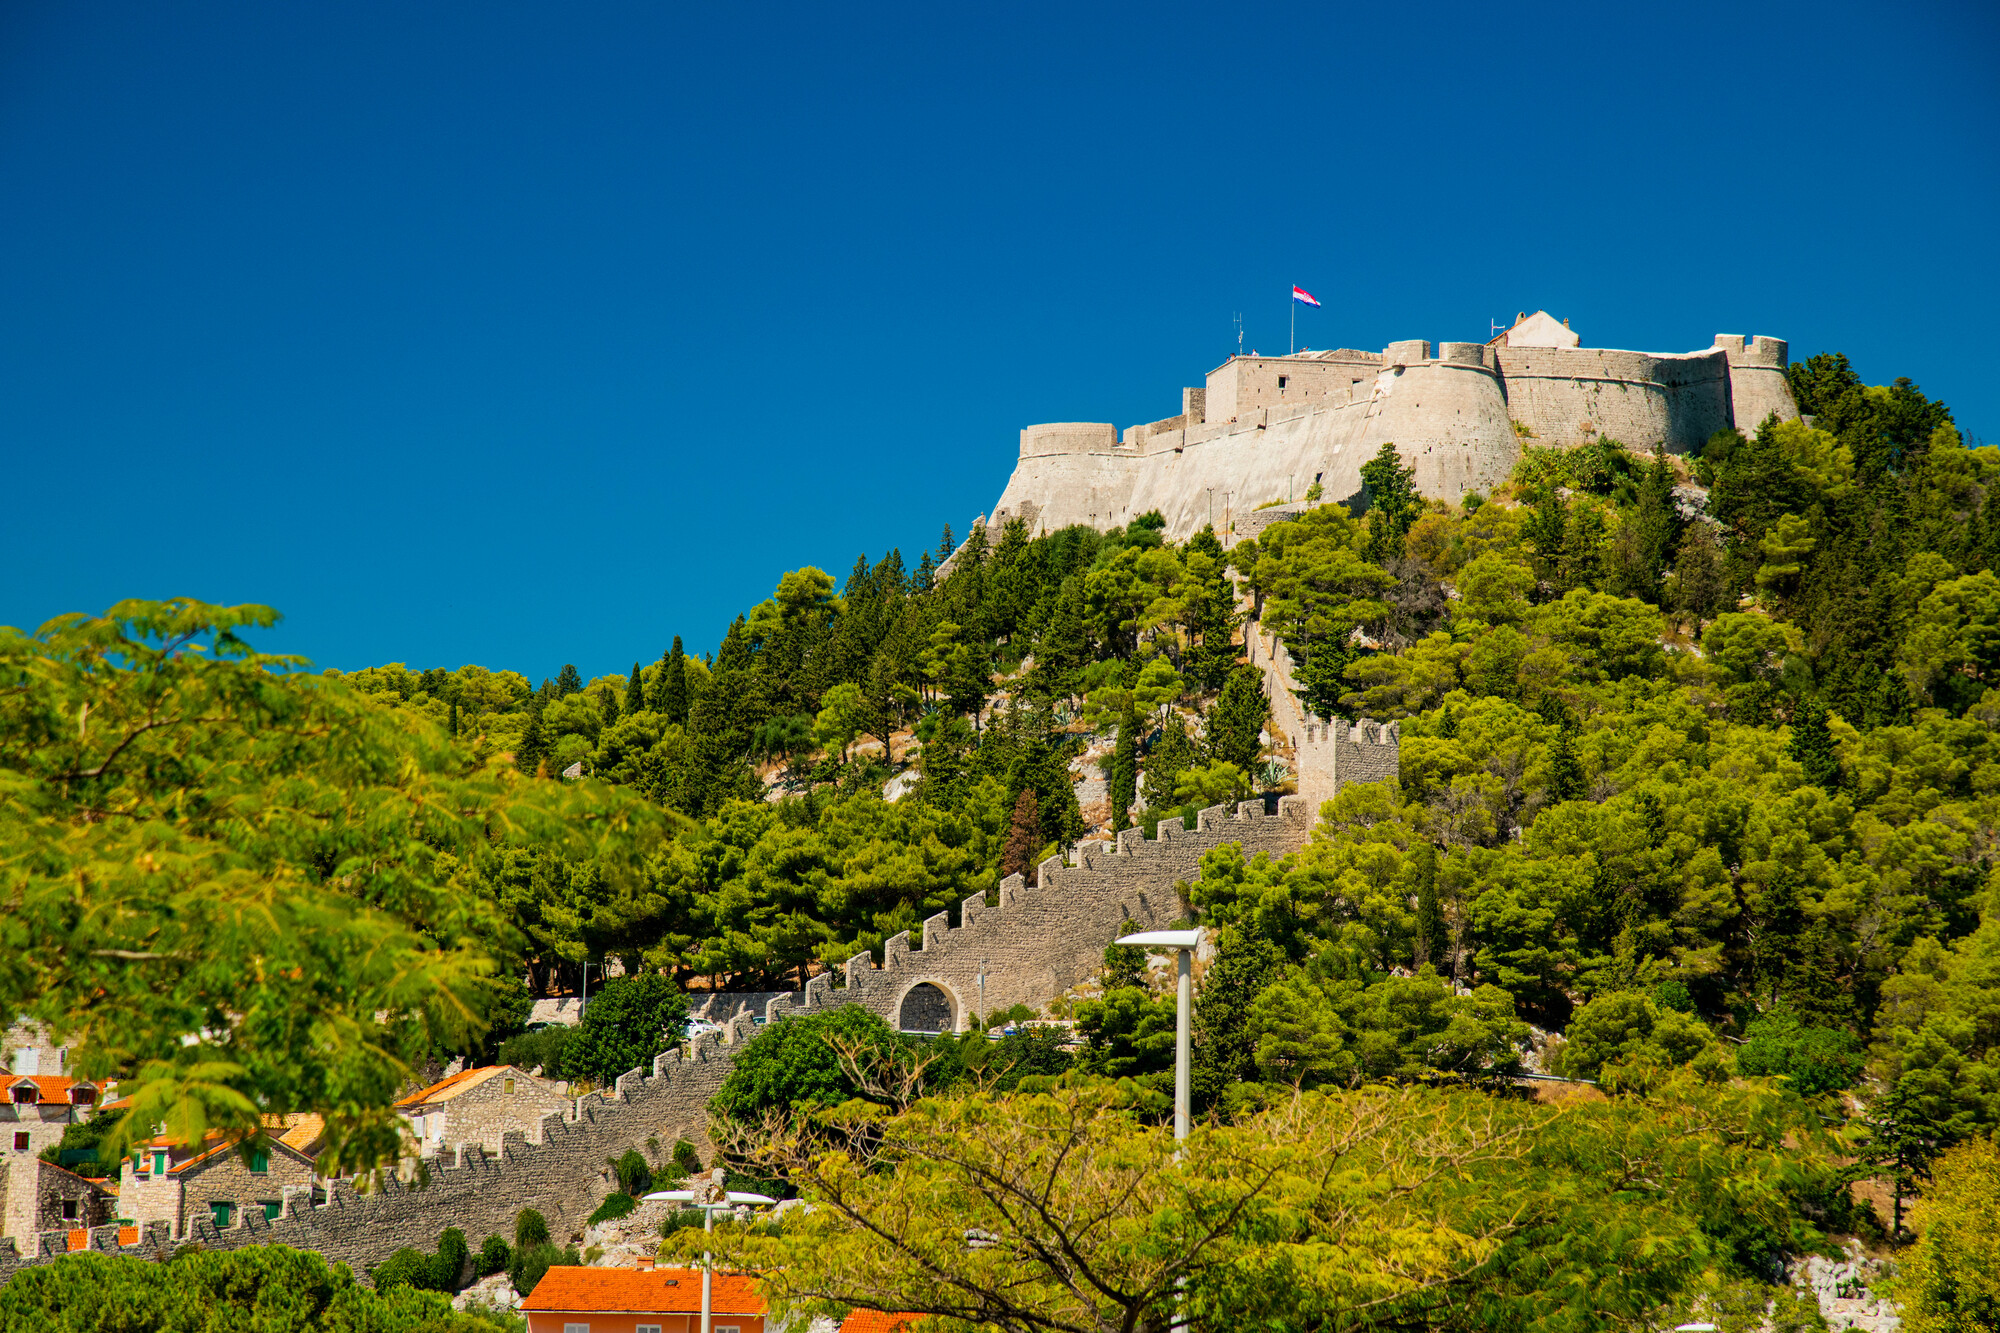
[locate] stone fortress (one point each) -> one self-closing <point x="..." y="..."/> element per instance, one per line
<point x="1265" y="428"/>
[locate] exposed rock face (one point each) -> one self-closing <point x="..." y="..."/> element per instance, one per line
<point x="1843" y="1289"/>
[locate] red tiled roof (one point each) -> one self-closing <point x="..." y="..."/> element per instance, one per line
<point x="128" y="1235"/>
<point x="447" y="1088"/>
<point x="877" y="1321"/>
<point x="79" y="1239"/>
<point x="639" y="1291"/>
<point x="49" y="1087"/>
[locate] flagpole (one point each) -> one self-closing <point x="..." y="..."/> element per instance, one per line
<point x="1295" y="321"/>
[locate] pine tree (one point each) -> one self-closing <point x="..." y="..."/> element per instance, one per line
<point x="635" y="691"/>
<point x="568" y="682"/>
<point x="1812" y="746"/>
<point x="674" y="685"/>
<point x="946" y="545"/>
<point x="454" y="717"/>
<point x="1024" y="836"/>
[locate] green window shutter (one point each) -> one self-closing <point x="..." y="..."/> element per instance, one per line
<point x="260" y="1162"/>
<point x="160" y="1163"/>
<point x="272" y="1207"/>
<point x="223" y="1211"/>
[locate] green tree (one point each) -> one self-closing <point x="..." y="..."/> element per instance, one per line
<point x="1391" y="488"/>
<point x="1124" y="771"/>
<point x="1949" y="1282"/>
<point x="1236" y="722"/>
<point x="1223" y="1054"/>
<point x="673" y="684"/>
<point x="635" y="692"/>
<point x="1812" y="746"/>
<point x="266" y="1287"/>
<point x="627" y="1022"/>
<point x="1813" y="1060"/>
<point x="224" y="967"/>
<point x="568" y="681"/>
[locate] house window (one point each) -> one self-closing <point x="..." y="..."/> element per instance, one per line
<point x="727" y="1328"/>
<point x="83" y="1096"/>
<point x="69" y="1210"/>
<point x="647" y="1328"/>
<point x="576" y="1328"/>
<point x="1281" y="381"/>
<point x="260" y="1162"/>
<point x="272" y="1207"/>
<point x="160" y="1163"/>
<point x="510" y="1087"/>
<point x="224" y="1213"/>
<point x="21" y="1140"/>
<point x="24" y="1096"/>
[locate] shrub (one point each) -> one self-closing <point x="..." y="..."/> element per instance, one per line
<point x="541" y="1050"/>
<point x="533" y="1260"/>
<point x="635" y="1173"/>
<point x="530" y="1228"/>
<point x="494" y="1256"/>
<point x="687" y="1161"/>
<point x="409" y="1267"/>
<point x="614" y="1206"/>
<point x="1813" y="1060"/>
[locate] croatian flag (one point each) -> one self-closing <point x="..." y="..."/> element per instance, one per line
<point x="1302" y="296"/>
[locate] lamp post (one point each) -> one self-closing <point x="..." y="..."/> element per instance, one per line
<point x="708" y="1206"/>
<point x="1183" y="943"/>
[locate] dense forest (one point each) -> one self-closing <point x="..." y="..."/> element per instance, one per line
<point x="1698" y="790"/>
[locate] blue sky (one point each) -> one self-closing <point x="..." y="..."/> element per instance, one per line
<point x="533" y="333"/>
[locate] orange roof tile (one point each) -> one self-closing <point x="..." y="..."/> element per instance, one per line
<point x="79" y="1240"/>
<point x="640" y="1291"/>
<point x="128" y="1235"/>
<point x="877" y="1321"/>
<point x="446" y="1088"/>
<point x="49" y="1087"/>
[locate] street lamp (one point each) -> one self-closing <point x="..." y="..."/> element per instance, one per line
<point x="1184" y="943"/>
<point x="708" y="1206"/>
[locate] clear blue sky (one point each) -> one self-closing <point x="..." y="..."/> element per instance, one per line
<point x="533" y="333"/>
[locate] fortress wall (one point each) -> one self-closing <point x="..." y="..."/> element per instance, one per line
<point x="1572" y="396"/>
<point x="1067" y="437"/>
<point x="1448" y="418"/>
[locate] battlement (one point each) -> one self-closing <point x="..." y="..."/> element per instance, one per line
<point x="1758" y="351"/>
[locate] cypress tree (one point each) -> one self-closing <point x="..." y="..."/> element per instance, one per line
<point x="1124" y="772"/>
<point x="1245" y="966"/>
<point x="1565" y="770"/>
<point x="533" y="747"/>
<point x="1024" y="836"/>
<point x="674" y="685"/>
<point x="1236" y="722"/>
<point x="635" y="691"/>
<point x="1433" y="939"/>
<point x="1812" y="746"/>
<point x="568" y="681"/>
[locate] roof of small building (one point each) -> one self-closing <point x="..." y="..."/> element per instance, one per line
<point x="642" y="1291"/>
<point x="302" y="1132"/>
<point x="877" y="1321"/>
<point x="447" y="1088"/>
<point x="51" y="1087"/>
<point x="215" y="1143"/>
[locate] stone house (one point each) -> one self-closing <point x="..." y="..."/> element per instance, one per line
<point x="639" y="1300"/>
<point x="36" y="1196"/>
<point x="168" y="1181"/>
<point x="481" y="1106"/>
<point x="37" y="1108"/>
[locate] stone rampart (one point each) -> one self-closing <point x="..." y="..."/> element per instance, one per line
<point x="1267" y="428"/>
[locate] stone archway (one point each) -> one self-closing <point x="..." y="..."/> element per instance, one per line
<point x="926" y="1007"/>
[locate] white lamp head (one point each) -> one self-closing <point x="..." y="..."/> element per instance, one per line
<point x="1163" y="939"/>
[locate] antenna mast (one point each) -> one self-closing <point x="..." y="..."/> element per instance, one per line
<point x="1239" y="333"/>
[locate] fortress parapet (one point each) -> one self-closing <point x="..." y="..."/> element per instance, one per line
<point x="1068" y="437"/>
<point x="1757" y="383"/>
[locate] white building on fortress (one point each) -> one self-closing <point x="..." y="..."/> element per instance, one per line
<point x="1265" y="428"/>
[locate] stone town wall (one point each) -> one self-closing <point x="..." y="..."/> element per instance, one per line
<point x="483" y="1116"/>
<point x="32" y="1195"/>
